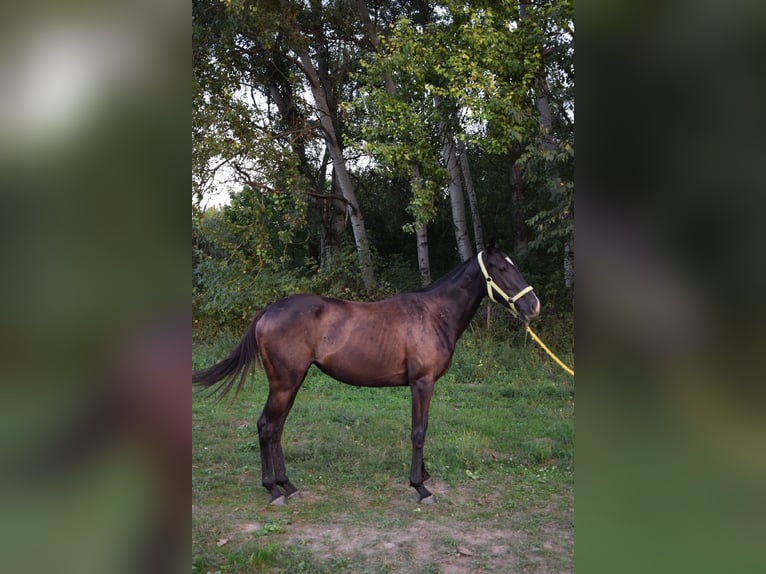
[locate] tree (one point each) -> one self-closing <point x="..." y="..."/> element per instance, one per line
<point x="250" y="55"/>
<point x="321" y="92"/>
<point x="455" y="187"/>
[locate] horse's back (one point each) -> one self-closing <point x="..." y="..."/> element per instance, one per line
<point x="355" y="342"/>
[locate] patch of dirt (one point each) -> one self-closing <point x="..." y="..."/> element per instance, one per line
<point x="457" y="548"/>
<point x="457" y="535"/>
<point x="248" y="527"/>
<point x="407" y="537"/>
<point x="247" y="478"/>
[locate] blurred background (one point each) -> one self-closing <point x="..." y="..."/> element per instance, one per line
<point x="94" y="286"/>
<point x="671" y="433"/>
<point x="94" y="310"/>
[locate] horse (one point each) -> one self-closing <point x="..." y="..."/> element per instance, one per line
<point x="405" y="340"/>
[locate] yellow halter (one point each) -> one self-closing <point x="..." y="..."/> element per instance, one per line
<point x="491" y="285"/>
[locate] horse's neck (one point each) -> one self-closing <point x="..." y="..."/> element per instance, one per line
<point x="459" y="297"/>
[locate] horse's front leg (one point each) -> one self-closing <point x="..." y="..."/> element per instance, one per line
<point x="422" y="390"/>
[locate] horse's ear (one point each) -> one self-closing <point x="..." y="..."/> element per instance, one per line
<point x="490" y="245"/>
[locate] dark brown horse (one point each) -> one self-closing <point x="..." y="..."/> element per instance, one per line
<point x="405" y="340"/>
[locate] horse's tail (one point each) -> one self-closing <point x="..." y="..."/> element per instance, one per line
<point x="232" y="371"/>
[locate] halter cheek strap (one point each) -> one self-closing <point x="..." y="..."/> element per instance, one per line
<point x="492" y="287"/>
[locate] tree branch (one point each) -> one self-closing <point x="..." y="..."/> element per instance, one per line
<point x="265" y="187"/>
<point x="330" y="196"/>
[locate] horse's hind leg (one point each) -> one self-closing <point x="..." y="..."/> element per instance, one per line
<point x="280" y="473"/>
<point x="270" y="426"/>
<point x="265" y="434"/>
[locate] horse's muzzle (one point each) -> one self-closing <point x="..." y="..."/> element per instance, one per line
<point x="529" y="309"/>
<point x="535" y="308"/>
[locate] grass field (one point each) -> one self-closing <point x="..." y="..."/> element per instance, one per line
<point x="499" y="449"/>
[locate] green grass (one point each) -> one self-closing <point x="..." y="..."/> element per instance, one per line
<point x="499" y="449"/>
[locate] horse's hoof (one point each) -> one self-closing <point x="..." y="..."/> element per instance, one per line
<point x="428" y="499"/>
<point x="278" y="501"/>
<point x="297" y="495"/>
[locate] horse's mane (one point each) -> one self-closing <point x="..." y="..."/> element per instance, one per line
<point x="448" y="278"/>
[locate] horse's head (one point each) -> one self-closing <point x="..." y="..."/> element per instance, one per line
<point x="506" y="286"/>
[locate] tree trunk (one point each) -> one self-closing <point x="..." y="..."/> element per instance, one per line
<point x="295" y="124"/>
<point x="569" y="269"/>
<point x="341" y="174"/>
<point x="334" y="224"/>
<point x="424" y="264"/>
<point x="319" y="91"/>
<point x="421" y="232"/>
<point x="478" y="231"/>
<point x="457" y="199"/>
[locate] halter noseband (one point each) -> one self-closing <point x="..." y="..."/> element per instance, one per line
<point x="491" y="285"/>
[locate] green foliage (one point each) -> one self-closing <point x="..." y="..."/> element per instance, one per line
<point x="340" y="277"/>
<point x="478" y="66"/>
<point x="236" y="271"/>
<point x="553" y="219"/>
<point x="246" y="255"/>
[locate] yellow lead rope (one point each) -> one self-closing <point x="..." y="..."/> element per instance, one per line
<point x="547" y="350"/>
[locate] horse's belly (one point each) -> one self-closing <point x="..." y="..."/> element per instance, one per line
<point x="363" y="365"/>
<point x="363" y="373"/>
<point x="363" y="346"/>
